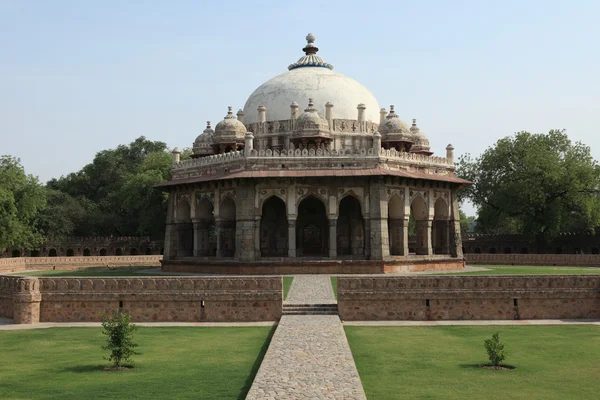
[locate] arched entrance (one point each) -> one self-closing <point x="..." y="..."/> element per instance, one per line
<point x="206" y="240"/>
<point x="16" y="253"/>
<point x="312" y="228"/>
<point x="52" y="253"/>
<point x="118" y="252"/>
<point x="70" y="252"/>
<point x="227" y="227"/>
<point x="103" y="252"/>
<point x="274" y="228"/>
<point x="133" y="252"/>
<point x="350" y="228"/>
<point x="86" y="252"/>
<point x="440" y="230"/>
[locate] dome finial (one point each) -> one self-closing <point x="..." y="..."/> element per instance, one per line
<point x="310" y="59"/>
<point x="414" y="122"/>
<point x="310" y="48"/>
<point x="207" y="124"/>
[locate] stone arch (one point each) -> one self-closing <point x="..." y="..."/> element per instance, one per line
<point x="102" y="252"/>
<point x="351" y="193"/>
<point x="350" y="227"/>
<point x="52" y="253"/>
<point x="184" y="209"/>
<point x="273" y="228"/>
<point x="397" y="226"/>
<point x="440" y="229"/>
<point x="316" y="195"/>
<point x="270" y="194"/>
<point x="118" y="251"/>
<point x="420" y="214"/>
<point x="227" y="215"/>
<point x="133" y="251"/>
<point x="87" y="252"/>
<point x="148" y="251"/>
<point x="206" y="240"/>
<point x="312" y="227"/>
<point x="595" y="250"/>
<point x="70" y="253"/>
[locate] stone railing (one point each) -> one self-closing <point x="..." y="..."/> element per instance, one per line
<point x="469" y="297"/>
<point x="390" y="154"/>
<point x="186" y="299"/>
<point x="579" y="260"/>
<point x="23" y="263"/>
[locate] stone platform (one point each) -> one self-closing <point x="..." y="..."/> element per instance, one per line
<point x="285" y="265"/>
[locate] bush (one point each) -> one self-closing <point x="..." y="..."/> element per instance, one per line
<point x="119" y="331"/>
<point x="495" y="350"/>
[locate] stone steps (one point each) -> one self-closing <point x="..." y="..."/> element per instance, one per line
<point x="310" y="309"/>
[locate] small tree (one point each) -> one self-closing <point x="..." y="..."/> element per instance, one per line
<point x="495" y="349"/>
<point x="119" y="331"/>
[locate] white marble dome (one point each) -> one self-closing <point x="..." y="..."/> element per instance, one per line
<point x="311" y="77"/>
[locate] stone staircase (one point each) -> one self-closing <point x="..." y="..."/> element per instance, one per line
<point x="310" y="309"/>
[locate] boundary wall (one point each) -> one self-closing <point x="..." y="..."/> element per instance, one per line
<point x="29" y="300"/>
<point x="18" y="264"/>
<point x="566" y="260"/>
<point x="425" y="298"/>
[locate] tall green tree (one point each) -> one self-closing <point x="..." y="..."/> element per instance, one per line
<point x="535" y="184"/>
<point x="22" y="198"/>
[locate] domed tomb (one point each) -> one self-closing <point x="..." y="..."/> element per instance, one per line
<point x="311" y="77"/>
<point x="311" y="129"/>
<point x="421" y="143"/>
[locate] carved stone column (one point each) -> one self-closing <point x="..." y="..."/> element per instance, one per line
<point x="26" y="301"/>
<point x="257" y="252"/>
<point x="332" y="238"/>
<point x="424" y="237"/>
<point x="367" y="223"/>
<point x="198" y="239"/>
<point x="404" y="237"/>
<point x="291" y="237"/>
<point x="219" y="239"/>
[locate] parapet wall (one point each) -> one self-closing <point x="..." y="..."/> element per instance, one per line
<point x="148" y="299"/>
<point x="42" y="263"/>
<point x="574" y="260"/>
<point x="469" y="297"/>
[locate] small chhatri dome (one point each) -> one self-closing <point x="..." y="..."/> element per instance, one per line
<point x="421" y="143"/>
<point x="202" y="144"/>
<point x="393" y="125"/>
<point x="310" y="121"/>
<point x="230" y="127"/>
<point x="310" y="59"/>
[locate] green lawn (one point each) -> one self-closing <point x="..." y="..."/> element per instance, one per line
<point x="553" y="362"/>
<point x="530" y="270"/>
<point x="176" y="363"/>
<point x="287" y="284"/>
<point x="92" y="271"/>
<point x="334" y="285"/>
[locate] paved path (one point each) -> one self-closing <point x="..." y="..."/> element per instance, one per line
<point x="311" y="289"/>
<point x="309" y="356"/>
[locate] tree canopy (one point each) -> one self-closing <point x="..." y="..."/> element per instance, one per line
<point x="22" y="198"/>
<point x="534" y="184"/>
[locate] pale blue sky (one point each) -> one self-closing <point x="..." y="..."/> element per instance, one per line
<point x="77" y="77"/>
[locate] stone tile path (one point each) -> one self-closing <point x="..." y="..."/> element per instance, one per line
<point x="309" y="356"/>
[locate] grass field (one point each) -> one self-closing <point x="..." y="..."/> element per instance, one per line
<point x="334" y="286"/>
<point x="176" y="363"/>
<point x="287" y="284"/>
<point x="530" y="270"/>
<point x="553" y="362"/>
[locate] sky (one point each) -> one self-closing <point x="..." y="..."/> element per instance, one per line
<point x="78" y="77"/>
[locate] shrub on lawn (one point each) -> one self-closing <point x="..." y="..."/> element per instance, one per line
<point x="119" y="331"/>
<point x="495" y="350"/>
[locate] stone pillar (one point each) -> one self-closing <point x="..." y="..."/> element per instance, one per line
<point x="333" y="238"/>
<point x="329" y="115"/>
<point x="26" y="301"/>
<point x="376" y="143"/>
<point x="197" y="237"/>
<point x="455" y="236"/>
<point x="424" y="237"/>
<point x="219" y="239"/>
<point x="170" y="250"/>
<point x="291" y="237"/>
<point x="380" y="246"/>
<point x="245" y="241"/>
<point x="367" y="222"/>
<point x="248" y="144"/>
<point x="382" y="115"/>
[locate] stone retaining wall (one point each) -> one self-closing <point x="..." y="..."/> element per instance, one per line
<point x="147" y="299"/>
<point x="469" y="297"/>
<point x="574" y="260"/>
<point x="41" y="263"/>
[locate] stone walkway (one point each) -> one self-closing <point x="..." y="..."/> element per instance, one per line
<point x="309" y="356"/>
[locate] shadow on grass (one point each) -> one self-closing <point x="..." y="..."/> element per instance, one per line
<point x="79" y="369"/>
<point x="256" y="365"/>
<point x="487" y="366"/>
